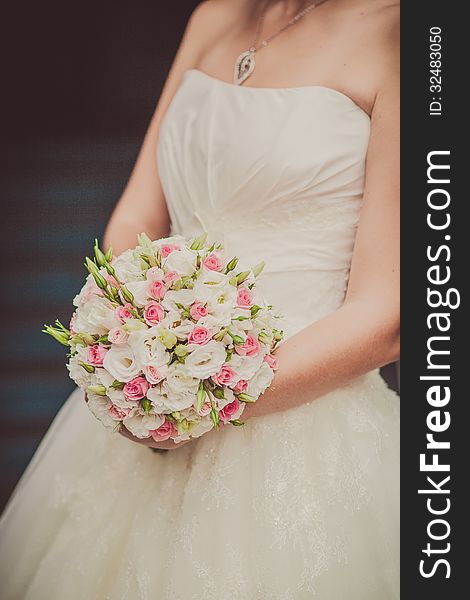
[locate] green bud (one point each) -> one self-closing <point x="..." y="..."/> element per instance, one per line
<point x="231" y="265"/>
<point x="117" y="385"/>
<point x="237" y="339"/>
<point x="97" y="389"/>
<point x="60" y="336"/>
<point x="90" y="265"/>
<point x="254" y="310"/>
<point x="246" y="398"/>
<point x="200" y="396"/>
<point x="278" y="335"/>
<point x="219" y="336"/>
<point x="167" y="338"/>
<point x="99" y="256"/>
<point x="243" y="276"/>
<point x="215" y="418"/>
<point x="127" y="295"/>
<point x="228" y="355"/>
<point x="198" y="243"/>
<point x="85" y="339"/>
<point x="264" y="338"/>
<point x="258" y="268"/>
<point x="177" y="285"/>
<point x="176" y="415"/>
<point x="219" y="393"/>
<point x="181" y="350"/>
<point x="109" y="254"/>
<point x="237" y="423"/>
<point x="233" y="281"/>
<point x="100" y="280"/>
<point x="88" y="368"/>
<point x="146" y="405"/>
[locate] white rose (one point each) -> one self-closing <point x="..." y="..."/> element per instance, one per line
<point x="127" y="267"/>
<point x="246" y="366"/>
<point x="260" y="381"/>
<point x="95" y="316"/>
<point x="99" y="406"/>
<point x="140" y="424"/>
<point x="205" y="360"/>
<point x="139" y="289"/>
<point x="88" y="290"/>
<point x="147" y="347"/>
<point x="158" y="400"/>
<point x="76" y="371"/>
<point x="179" y="388"/>
<point x="182" y="296"/>
<point x="183" y="330"/>
<point x="182" y="261"/>
<point x="121" y="362"/>
<point x="173" y="239"/>
<point x="204" y="425"/>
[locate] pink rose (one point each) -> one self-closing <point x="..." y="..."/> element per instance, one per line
<point x="96" y="355"/>
<point x="213" y="262"/>
<point x="171" y="276"/>
<point x="153" y="312"/>
<point x="244" y="298"/>
<point x="205" y="409"/>
<point x="230" y="409"/>
<point x="241" y="386"/>
<point x="225" y="376"/>
<point x="167" y="249"/>
<point x="165" y="431"/>
<point x="198" y="310"/>
<point x="123" y="313"/>
<point x="118" y="414"/>
<point x="116" y="335"/>
<point x="157" y="289"/>
<point x="154" y="375"/>
<point x="136" y="388"/>
<point x="251" y="347"/>
<point x="272" y="361"/>
<point x="199" y="335"/>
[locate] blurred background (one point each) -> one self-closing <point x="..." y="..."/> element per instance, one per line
<point x="80" y="84"/>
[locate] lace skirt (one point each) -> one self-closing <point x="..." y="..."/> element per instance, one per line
<point x="297" y="505"/>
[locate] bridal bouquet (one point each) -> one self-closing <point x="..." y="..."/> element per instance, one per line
<point x="168" y="339"/>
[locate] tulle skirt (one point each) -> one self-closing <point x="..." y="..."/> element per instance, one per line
<point x="296" y="505"/>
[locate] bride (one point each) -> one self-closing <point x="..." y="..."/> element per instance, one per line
<point x="290" y="154"/>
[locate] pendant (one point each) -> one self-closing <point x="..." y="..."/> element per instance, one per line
<point x="244" y="66"/>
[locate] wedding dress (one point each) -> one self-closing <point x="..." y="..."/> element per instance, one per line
<point x="296" y="505"/>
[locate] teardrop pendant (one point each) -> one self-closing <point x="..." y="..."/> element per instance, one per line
<point x="244" y="66"/>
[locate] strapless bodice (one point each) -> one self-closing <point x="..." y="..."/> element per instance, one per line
<point x="276" y="174"/>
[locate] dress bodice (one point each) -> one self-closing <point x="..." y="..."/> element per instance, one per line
<point x="276" y="174"/>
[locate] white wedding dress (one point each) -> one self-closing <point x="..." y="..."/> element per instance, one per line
<point x="297" y="505"/>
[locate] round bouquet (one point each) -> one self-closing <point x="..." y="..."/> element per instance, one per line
<point x="168" y="339"/>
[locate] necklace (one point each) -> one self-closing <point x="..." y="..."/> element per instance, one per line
<point x="245" y="63"/>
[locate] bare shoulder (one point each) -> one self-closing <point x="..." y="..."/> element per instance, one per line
<point x="380" y="42"/>
<point x="211" y="16"/>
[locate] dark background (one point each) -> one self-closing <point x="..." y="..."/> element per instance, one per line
<point x="80" y="83"/>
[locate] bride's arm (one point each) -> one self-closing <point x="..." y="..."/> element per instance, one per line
<point x="364" y="333"/>
<point x="142" y="206"/>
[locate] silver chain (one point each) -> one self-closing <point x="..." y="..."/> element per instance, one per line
<point x="257" y="46"/>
